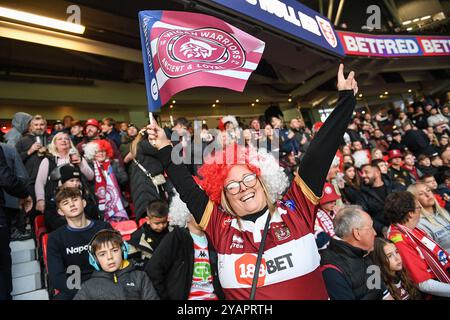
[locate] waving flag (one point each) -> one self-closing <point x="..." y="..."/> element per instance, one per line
<point x="183" y="50"/>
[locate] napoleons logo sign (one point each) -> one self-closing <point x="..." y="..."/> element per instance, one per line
<point x="292" y="17"/>
<point x="182" y="52"/>
<point x="394" y="46"/>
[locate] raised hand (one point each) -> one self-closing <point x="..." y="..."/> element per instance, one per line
<point x="156" y="136"/>
<point x="346" y="84"/>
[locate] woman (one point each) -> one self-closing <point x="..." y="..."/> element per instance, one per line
<point x="144" y="164"/>
<point x="386" y="255"/>
<point x="110" y="177"/>
<point x="434" y="220"/>
<point x="62" y="151"/>
<point x="351" y="190"/>
<point x="239" y="200"/>
<point x="425" y="261"/>
<point x="127" y="138"/>
<point x="377" y="154"/>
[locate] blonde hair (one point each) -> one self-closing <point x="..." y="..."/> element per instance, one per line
<point x="438" y="209"/>
<point x="52" y="146"/>
<point x="226" y="205"/>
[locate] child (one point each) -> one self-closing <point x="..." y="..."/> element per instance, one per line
<point x="67" y="176"/>
<point x="146" y="239"/>
<point x="67" y="246"/>
<point x="323" y="228"/>
<point x="115" y="277"/>
<point x="387" y="257"/>
<point x="184" y="267"/>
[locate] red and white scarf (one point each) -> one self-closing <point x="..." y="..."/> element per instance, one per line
<point x="436" y="257"/>
<point x="108" y="192"/>
<point x="325" y="221"/>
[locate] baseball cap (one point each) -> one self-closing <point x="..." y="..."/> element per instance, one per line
<point x="68" y="172"/>
<point x="92" y="122"/>
<point x="329" y="194"/>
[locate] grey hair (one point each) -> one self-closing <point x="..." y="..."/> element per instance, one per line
<point x="347" y="218"/>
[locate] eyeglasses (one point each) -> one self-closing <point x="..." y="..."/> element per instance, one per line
<point x="234" y="187"/>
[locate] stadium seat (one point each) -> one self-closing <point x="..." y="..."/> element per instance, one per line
<point x="126" y="228"/>
<point x="39" y="228"/>
<point x="44" y="249"/>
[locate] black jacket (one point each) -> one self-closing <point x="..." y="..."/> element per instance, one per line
<point x="131" y="284"/>
<point x="417" y="142"/>
<point x="346" y="273"/>
<point x="373" y="204"/>
<point x="33" y="161"/>
<point x="171" y="266"/>
<point x="142" y="189"/>
<point x="9" y="183"/>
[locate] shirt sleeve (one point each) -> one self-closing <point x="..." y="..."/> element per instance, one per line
<point x="412" y="261"/>
<point x="41" y="179"/>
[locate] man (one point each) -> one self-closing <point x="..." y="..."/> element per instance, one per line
<point x="416" y="140"/>
<point x="436" y="119"/>
<point x="396" y="142"/>
<point x="92" y="128"/>
<point x="16" y="217"/>
<point x="32" y="147"/>
<point x="110" y="132"/>
<point x="20" y="123"/>
<point x="396" y="172"/>
<point x="299" y="135"/>
<point x="11" y="184"/>
<point x="346" y="266"/>
<point x="374" y="191"/>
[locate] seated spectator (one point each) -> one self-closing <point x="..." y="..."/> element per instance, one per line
<point x="382" y="165"/>
<point x="147" y="238"/>
<point x="386" y="255"/>
<point x="424" y="165"/>
<point x="352" y="185"/>
<point x="377" y="154"/>
<point x="110" y="177"/>
<point x="115" y="277"/>
<point x="396" y="172"/>
<point x="374" y="191"/>
<point x="436" y="119"/>
<point x="184" y="267"/>
<point x="425" y="261"/>
<point x="434" y="220"/>
<point x="323" y="227"/>
<point x="345" y="262"/>
<point x="68" y="245"/>
<point x="431" y="183"/>
<point x="61" y="152"/>
<point x="68" y="176"/>
<point x="410" y="166"/>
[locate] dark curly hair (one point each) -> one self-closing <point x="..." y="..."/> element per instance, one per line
<point x="398" y="205"/>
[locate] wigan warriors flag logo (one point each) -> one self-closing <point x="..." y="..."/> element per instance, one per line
<point x="183" y="50"/>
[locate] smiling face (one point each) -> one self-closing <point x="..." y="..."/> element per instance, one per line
<point x="100" y="156"/>
<point x="62" y="142"/>
<point x="109" y="256"/>
<point x="244" y="200"/>
<point x="38" y="127"/>
<point x="91" y="131"/>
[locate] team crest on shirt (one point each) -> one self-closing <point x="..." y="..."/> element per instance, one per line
<point x="282" y="232"/>
<point x="237" y="242"/>
<point x="290" y="204"/>
<point x="226" y="221"/>
<point x="442" y="257"/>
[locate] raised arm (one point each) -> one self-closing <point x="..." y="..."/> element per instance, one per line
<point x="316" y="162"/>
<point x="194" y="197"/>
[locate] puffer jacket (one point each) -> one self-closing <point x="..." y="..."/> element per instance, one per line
<point x="125" y="284"/>
<point x="20" y="123"/>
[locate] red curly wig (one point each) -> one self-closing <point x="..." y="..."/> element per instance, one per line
<point x="217" y="166"/>
<point x="106" y="146"/>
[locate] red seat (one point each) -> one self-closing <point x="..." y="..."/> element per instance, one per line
<point x="39" y="228"/>
<point x="44" y="249"/>
<point x="126" y="228"/>
<point x="142" y="221"/>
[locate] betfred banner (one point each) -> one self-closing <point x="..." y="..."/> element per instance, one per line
<point x="183" y="50"/>
<point x="290" y="17"/>
<point x="394" y="46"/>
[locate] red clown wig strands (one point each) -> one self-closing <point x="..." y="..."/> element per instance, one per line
<point x="217" y="167"/>
<point x="92" y="147"/>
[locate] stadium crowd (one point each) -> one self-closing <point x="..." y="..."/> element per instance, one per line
<point x="353" y="208"/>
